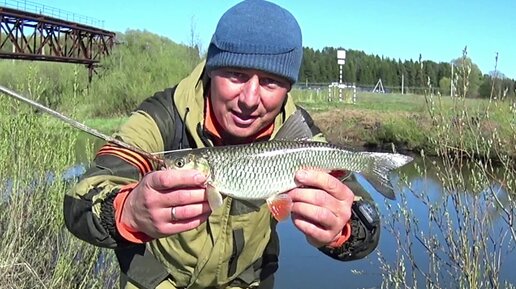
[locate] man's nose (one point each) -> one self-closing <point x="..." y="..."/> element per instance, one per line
<point x="250" y="95"/>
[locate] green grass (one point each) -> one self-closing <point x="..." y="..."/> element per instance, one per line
<point x="36" y="250"/>
<point x="364" y="100"/>
<point x="106" y="125"/>
<point x="471" y="127"/>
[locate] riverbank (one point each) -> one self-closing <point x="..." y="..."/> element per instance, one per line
<point x="366" y="130"/>
<point x="471" y="128"/>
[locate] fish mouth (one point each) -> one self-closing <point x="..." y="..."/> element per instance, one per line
<point x="243" y="119"/>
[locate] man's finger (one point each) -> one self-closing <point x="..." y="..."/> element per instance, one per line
<point x="189" y="211"/>
<point x="324" y="181"/>
<point x="181" y="197"/>
<point x="312" y="196"/>
<point x="318" y="234"/>
<point x="321" y="216"/>
<point x="173" y="179"/>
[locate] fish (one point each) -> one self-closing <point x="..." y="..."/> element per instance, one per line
<point x="266" y="170"/>
<point x="261" y="171"/>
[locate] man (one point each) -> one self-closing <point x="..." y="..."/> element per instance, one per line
<point x="159" y="221"/>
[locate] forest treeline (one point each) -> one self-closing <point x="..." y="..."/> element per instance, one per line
<point x="320" y="66"/>
<point x="143" y="63"/>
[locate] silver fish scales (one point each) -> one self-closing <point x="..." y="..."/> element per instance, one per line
<point x="261" y="170"/>
<point x="264" y="170"/>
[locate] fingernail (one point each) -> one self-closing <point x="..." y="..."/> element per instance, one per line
<point x="199" y="178"/>
<point x="302" y="175"/>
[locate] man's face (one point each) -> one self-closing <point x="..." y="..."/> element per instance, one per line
<point x="245" y="101"/>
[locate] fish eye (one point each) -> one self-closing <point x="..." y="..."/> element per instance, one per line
<point x="180" y="162"/>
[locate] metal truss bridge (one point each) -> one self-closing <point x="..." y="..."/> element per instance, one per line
<point x="31" y="31"/>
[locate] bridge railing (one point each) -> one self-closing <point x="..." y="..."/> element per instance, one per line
<point x="39" y="8"/>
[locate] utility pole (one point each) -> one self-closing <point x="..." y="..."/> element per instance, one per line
<point x="341" y="60"/>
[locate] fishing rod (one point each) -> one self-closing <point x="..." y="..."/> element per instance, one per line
<point x="81" y="126"/>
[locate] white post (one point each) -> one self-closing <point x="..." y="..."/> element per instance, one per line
<point x="354" y="93"/>
<point x="341" y="60"/>
<point x="340" y="83"/>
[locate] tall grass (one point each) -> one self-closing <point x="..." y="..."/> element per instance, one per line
<point x="468" y="234"/>
<point x="480" y="127"/>
<point x="51" y="83"/>
<point x="36" y="250"/>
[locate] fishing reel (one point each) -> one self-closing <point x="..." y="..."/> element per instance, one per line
<point x="365" y="232"/>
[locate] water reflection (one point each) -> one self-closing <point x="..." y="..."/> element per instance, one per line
<point x="69" y="175"/>
<point x="425" y="195"/>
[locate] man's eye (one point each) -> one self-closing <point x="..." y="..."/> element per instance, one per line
<point x="237" y="76"/>
<point x="270" y="82"/>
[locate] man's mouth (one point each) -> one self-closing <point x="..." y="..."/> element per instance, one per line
<point x="243" y="119"/>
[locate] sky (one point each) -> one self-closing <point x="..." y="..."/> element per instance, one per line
<point x="439" y="30"/>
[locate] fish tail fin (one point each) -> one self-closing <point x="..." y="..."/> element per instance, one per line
<point x="382" y="165"/>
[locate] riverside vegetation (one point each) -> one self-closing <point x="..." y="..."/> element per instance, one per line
<point x="463" y="250"/>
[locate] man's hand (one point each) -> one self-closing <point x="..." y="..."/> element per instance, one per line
<point x="321" y="206"/>
<point x="167" y="202"/>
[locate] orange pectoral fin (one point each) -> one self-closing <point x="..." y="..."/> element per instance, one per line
<point x="339" y="174"/>
<point x="280" y="206"/>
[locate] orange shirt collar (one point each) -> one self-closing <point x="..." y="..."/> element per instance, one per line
<point x="212" y="126"/>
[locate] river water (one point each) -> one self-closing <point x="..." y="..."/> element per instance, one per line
<point x="302" y="266"/>
<point x="421" y="193"/>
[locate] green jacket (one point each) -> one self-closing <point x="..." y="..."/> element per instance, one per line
<point x="236" y="247"/>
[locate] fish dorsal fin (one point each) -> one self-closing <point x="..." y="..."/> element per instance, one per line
<point x="294" y="128"/>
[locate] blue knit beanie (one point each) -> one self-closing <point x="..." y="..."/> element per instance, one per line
<point x="259" y="35"/>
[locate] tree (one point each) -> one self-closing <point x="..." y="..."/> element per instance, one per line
<point x="444" y="86"/>
<point x="195" y="44"/>
<point x="484" y="90"/>
<point x="320" y="66"/>
<point x="443" y="70"/>
<point x="307" y="72"/>
<point x="467" y="77"/>
<point x="431" y="71"/>
<point x="350" y="73"/>
<point x="496" y="86"/>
